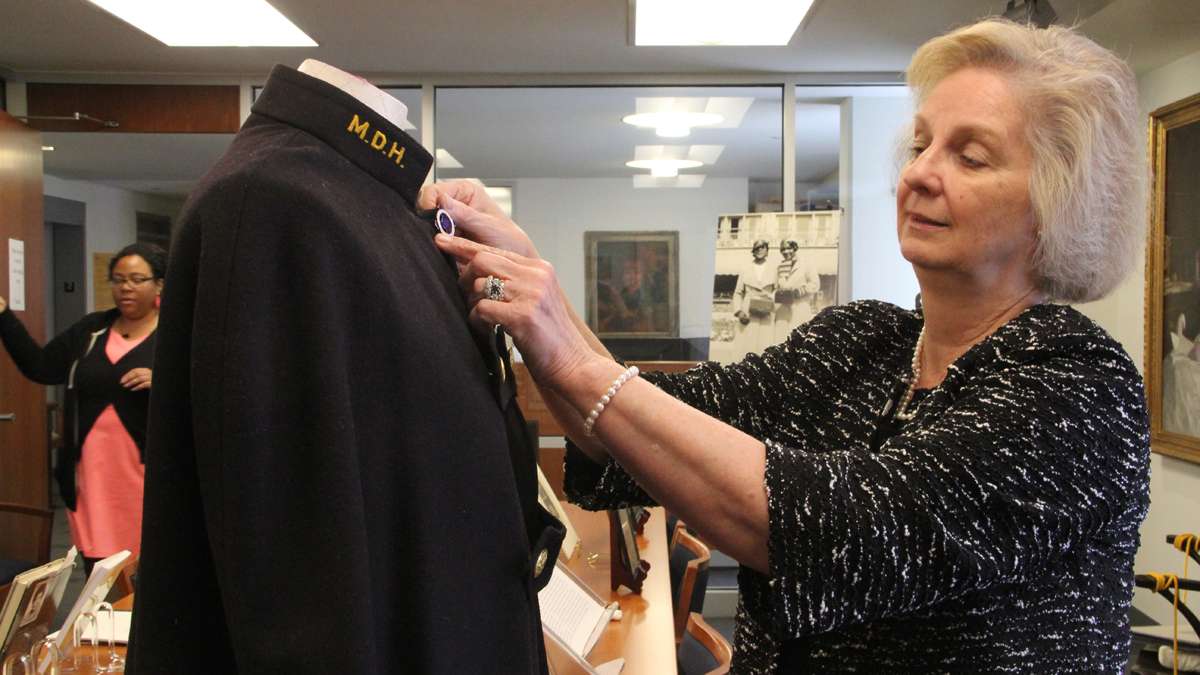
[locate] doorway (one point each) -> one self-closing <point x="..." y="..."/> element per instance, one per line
<point x="66" y="270"/>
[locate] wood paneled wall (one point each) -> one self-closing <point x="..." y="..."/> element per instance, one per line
<point x="137" y="108"/>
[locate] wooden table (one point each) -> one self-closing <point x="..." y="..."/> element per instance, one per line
<point x="645" y="635"/>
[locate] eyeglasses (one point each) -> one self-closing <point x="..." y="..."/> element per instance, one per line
<point x="133" y="280"/>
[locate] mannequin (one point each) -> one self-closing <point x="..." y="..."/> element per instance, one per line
<point x="373" y="97"/>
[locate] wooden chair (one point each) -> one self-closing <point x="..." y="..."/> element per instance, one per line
<point x="703" y="649"/>
<point x="24" y="540"/>
<point x="673" y="523"/>
<point x="689" y="576"/>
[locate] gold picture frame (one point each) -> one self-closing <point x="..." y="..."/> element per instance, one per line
<point x="1173" y="281"/>
<point x="632" y="284"/>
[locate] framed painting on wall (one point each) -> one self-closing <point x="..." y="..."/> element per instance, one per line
<point x="632" y="283"/>
<point x="1173" y="281"/>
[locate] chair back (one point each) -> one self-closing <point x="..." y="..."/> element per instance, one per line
<point x="25" y="532"/>
<point x="703" y="651"/>
<point x="24" y="538"/>
<point x="673" y="522"/>
<point x="689" y="576"/>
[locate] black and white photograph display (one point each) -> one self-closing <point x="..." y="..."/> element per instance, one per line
<point x="774" y="271"/>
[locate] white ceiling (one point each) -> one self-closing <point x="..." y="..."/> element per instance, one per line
<point x="453" y="36"/>
<point x="528" y="132"/>
<point x="577" y="132"/>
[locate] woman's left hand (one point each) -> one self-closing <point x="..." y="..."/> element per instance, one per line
<point x="476" y="215"/>
<point x="532" y="309"/>
<point x="137" y="379"/>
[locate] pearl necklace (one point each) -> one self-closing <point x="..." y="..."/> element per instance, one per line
<point x="902" y="413"/>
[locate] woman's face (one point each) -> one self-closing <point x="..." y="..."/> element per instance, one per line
<point x="134" y="287"/>
<point x="963" y="201"/>
<point x="760" y="253"/>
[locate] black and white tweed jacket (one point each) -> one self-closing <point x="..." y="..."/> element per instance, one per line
<point x="995" y="532"/>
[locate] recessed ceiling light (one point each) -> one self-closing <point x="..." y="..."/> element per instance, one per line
<point x="664" y="168"/>
<point x="209" y="23"/>
<point x="673" y="124"/>
<point x="717" y="22"/>
<point x="47" y="148"/>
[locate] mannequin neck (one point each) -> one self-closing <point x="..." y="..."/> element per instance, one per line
<point x="368" y="94"/>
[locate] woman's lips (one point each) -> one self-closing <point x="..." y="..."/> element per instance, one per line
<point x="921" y="221"/>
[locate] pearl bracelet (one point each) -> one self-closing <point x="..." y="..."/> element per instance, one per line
<point x="630" y="373"/>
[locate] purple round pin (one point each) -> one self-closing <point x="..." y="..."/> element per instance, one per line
<point x="444" y="222"/>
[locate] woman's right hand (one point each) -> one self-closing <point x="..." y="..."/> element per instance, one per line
<point x="476" y="216"/>
<point x="3" y="304"/>
<point x="530" y="308"/>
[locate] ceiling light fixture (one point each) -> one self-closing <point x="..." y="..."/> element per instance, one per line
<point x="664" y="168"/>
<point x="716" y="22"/>
<point x="673" y="124"/>
<point x="209" y="23"/>
<point x="47" y="148"/>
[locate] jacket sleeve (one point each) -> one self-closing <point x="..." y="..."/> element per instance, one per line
<point x="737" y="394"/>
<point x="45" y="365"/>
<point x="1021" y="471"/>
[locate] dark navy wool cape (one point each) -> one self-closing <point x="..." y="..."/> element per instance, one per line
<point x="336" y="480"/>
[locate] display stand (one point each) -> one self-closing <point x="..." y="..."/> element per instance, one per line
<point x="627" y="567"/>
<point x="640" y="515"/>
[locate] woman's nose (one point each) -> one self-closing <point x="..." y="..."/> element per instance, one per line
<point x="922" y="173"/>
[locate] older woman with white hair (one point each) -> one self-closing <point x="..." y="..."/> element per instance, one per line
<point x="953" y="488"/>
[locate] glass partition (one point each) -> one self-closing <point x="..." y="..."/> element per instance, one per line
<point x="622" y="189"/>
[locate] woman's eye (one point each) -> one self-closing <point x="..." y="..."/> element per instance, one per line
<point x="972" y="162"/>
<point x="915" y="151"/>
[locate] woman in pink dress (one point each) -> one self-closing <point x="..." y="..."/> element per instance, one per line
<point x="105" y="360"/>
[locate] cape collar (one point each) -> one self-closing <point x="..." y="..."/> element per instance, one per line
<point x="350" y="127"/>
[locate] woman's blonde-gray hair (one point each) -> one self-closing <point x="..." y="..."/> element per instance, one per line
<point x="1084" y="127"/>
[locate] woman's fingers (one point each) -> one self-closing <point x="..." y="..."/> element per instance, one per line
<point x="475" y="289"/>
<point x="430" y="197"/>
<point x="468" y="221"/>
<point x="137" y="379"/>
<point x="486" y="314"/>
<point x="464" y="250"/>
<point x="476" y="216"/>
<point x="488" y="264"/>
<point x="468" y="192"/>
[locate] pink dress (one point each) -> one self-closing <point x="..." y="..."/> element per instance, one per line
<point x="110" y="479"/>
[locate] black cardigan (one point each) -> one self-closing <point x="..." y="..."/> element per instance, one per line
<point x="994" y="533"/>
<point x="58" y="363"/>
